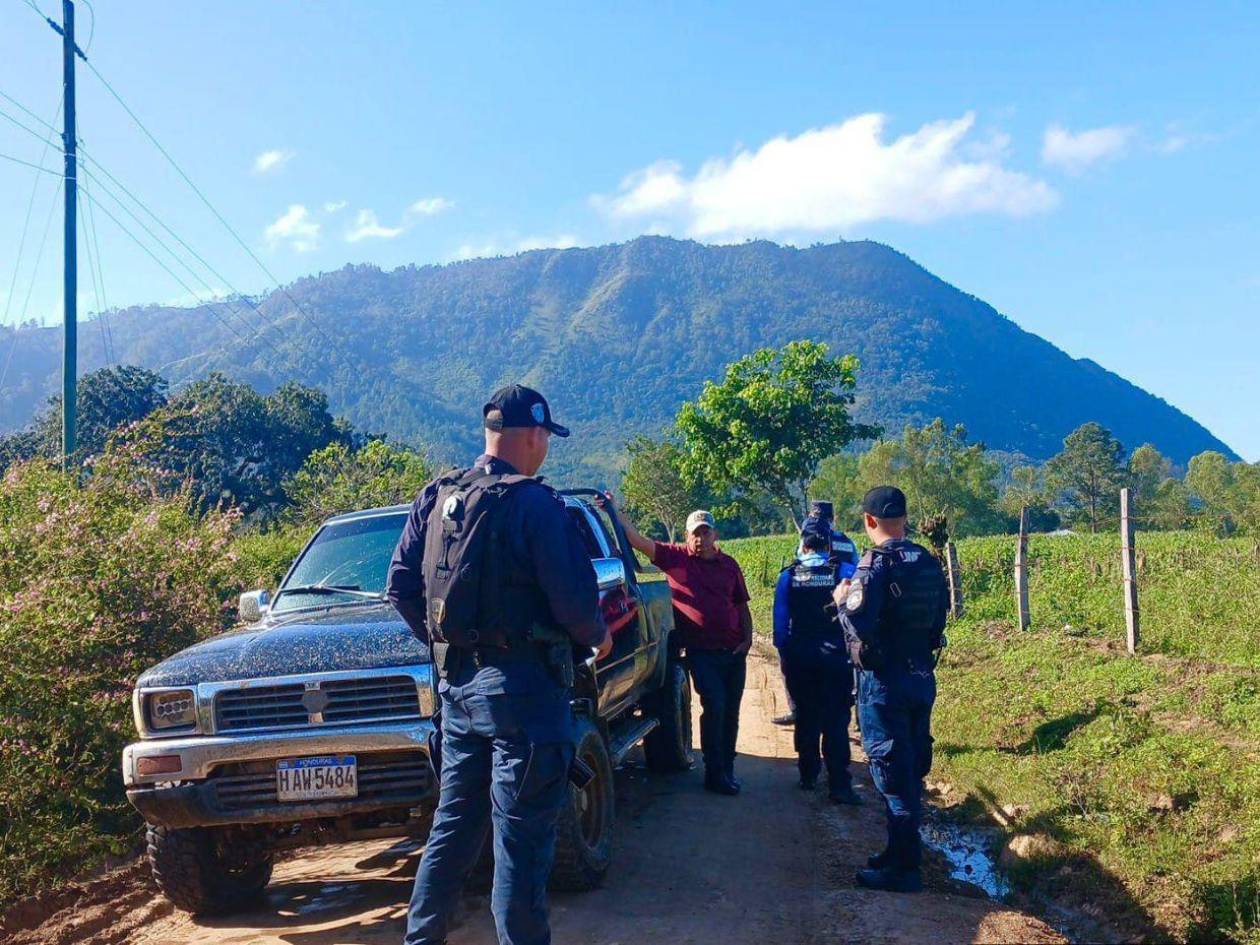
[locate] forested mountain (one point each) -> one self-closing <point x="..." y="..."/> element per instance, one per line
<point x="617" y="336"/>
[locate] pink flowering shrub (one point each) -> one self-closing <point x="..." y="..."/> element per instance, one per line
<point x="98" y="580"/>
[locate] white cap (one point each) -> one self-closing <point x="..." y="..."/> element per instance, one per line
<point x="698" y="518"/>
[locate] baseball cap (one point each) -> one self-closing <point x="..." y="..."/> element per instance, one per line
<point x="815" y="533"/>
<point x="519" y="406"/>
<point x="824" y="510"/>
<point x="884" y="502"/>
<point x="698" y="518"/>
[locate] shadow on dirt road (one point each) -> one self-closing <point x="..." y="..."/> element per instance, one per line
<point x="773" y="866"/>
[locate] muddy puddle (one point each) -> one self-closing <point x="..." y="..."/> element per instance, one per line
<point x="971" y="852"/>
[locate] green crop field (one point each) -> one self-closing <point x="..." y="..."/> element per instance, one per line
<point x="1140" y="777"/>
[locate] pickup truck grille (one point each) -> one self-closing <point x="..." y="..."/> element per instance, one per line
<point x="337" y="701"/>
<point x="404" y="776"/>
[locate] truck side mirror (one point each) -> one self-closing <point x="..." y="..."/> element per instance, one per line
<point x="609" y="572"/>
<point x="254" y="605"/>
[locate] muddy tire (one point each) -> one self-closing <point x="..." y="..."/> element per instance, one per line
<point x="191" y="871"/>
<point x="584" y="834"/>
<point x="667" y="748"/>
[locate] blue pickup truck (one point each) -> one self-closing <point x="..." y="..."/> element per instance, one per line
<point x="310" y="723"/>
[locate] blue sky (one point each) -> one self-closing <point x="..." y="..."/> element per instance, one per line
<point x="1088" y="169"/>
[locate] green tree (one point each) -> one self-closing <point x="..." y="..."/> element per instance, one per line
<point x="941" y="474"/>
<point x="337" y="479"/>
<point x="1147" y="471"/>
<point x="1027" y="490"/>
<point x="108" y="399"/>
<point x="230" y="445"/>
<point x="1227" y="494"/>
<point x="1089" y="474"/>
<point x="772" y="420"/>
<point x="654" y="486"/>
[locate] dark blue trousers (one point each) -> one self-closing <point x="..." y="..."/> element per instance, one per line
<point x="718" y="676"/>
<point x="819" y="676"/>
<point x="895" y="709"/>
<point x="504" y="767"/>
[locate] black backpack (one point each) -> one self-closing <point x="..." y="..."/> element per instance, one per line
<point x="462" y="580"/>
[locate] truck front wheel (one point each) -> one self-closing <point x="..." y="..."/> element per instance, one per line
<point x="585" y="830"/>
<point x="206" y="871"/>
<point x="667" y="747"/>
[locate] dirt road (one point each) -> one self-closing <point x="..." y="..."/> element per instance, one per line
<point x="771" y="867"/>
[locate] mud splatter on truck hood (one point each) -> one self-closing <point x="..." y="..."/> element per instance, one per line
<point x="312" y="641"/>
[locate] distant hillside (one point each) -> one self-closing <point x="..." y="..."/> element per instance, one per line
<point x="617" y="336"/>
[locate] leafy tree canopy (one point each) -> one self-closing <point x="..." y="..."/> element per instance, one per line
<point x="1088" y="475"/>
<point x="338" y="479"/>
<point x="941" y="474"/>
<point x="232" y="445"/>
<point x="772" y="420"/>
<point x="654" y="486"/>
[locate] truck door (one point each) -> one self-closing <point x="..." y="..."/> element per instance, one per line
<point x="619" y="670"/>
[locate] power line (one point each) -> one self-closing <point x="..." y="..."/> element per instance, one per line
<point x="96" y="288"/>
<point x="30" y="114"/>
<point x="160" y="222"/>
<point x="205" y="200"/>
<point x="83" y="153"/>
<point x="17" y="260"/>
<point x="103" y="300"/>
<point x="34" y="274"/>
<point x="118" y="223"/>
<point x="9" y="157"/>
<point x="157" y="239"/>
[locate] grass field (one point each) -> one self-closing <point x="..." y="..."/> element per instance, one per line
<point x="1139" y="777"/>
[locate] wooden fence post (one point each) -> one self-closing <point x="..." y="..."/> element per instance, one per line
<point x="955" y="580"/>
<point x="1021" y="571"/>
<point x="1127" y="561"/>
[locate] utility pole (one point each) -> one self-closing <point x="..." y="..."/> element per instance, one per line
<point x="70" y="352"/>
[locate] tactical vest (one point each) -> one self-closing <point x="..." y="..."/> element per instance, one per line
<point x="809" y="594"/>
<point x="467" y="600"/>
<point x="912" y="604"/>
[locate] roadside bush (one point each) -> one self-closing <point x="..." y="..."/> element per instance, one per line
<point x="337" y="479"/>
<point x="97" y="581"/>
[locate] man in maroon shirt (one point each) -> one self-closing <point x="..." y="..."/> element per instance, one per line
<point x="712" y="617"/>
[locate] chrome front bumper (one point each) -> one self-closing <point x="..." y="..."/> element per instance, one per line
<point x="192" y="796"/>
<point x="199" y="754"/>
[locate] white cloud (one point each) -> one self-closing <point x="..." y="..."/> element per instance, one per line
<point x="366" y="226"/>
<point x="295" y="227"/>
<point x="334" y="206"/>
<point x="559" y="241"/>
<point x="429" y="206"/>
<point x="1075" y="151"/>
<point x="508" y="247"/>
<point x="271" y="161"/>
<point x="834" y="177"/>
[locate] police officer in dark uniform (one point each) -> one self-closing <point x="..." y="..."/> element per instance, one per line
<point x="815" y="663"/>
<point x="843" y="550"/>
<point x="842" y="553"/>
<point x="893" y="615"/>
<point x="491" y="572"/>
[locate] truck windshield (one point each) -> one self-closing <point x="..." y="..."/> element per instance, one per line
<point x="345" y="562"/>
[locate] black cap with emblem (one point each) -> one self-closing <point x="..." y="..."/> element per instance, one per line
<point x="885" y="502"/>
<point x="519" y="406"/>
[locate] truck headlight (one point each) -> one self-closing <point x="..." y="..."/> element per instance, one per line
<point x="176" y="708"/>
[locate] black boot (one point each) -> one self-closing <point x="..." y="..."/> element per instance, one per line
<point x="888" y="879"/>
<point x="844" y="794"/>
<point x="719" y="783"/>
<point x="877" y="861"/>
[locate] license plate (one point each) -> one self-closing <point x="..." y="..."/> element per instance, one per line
<point x="316" y="779"/>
